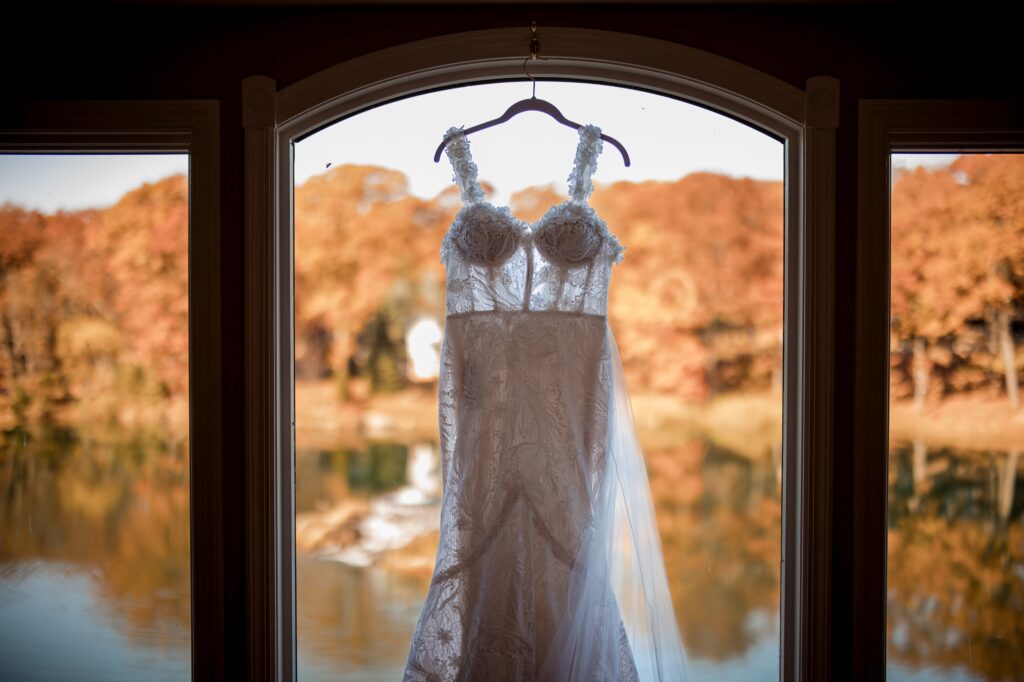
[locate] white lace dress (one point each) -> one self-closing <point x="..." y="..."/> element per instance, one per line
<point x="549" y="565"/>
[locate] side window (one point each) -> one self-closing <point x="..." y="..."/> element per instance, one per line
<point x="94" y="457"/>
<point x="955" y="583"/>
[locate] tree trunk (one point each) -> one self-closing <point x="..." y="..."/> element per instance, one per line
<point x="919" y="462"/>
<point x="777" y="461"/>
<point x="1009" y="358"/>
<point x="1007" y="482"/>
<point x="920" y="371"/>
<point x="9" y="352"/>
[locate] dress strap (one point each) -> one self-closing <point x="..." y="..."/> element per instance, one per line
<point x="462" y="163"/>
<point x="583" y="168"/>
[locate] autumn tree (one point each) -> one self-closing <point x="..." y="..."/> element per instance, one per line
<point x="23" y="233"/>
<point x="931" y="293"/>
<point x="358" y="231"/>
<point x="701" y="284"/>
<point x="140" y="245"/>
<point x="991" y="205"/>
<point x="40" y="257"/>
<point x="94" y="307"/>
<point x="957" y="243"/>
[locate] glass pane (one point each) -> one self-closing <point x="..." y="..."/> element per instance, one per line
<point x="94" y="496"/>
<point x="696" y="306"/>
<point x="956" y="428"/>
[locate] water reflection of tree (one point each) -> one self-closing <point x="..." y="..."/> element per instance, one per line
<point x="118" y="511"/>
<point x="359" y="618"/>
<point x="718" y="513"/>
<point x="720" y="521"/>
<point x="326" y="477"/>
<point x="956" y="564"/>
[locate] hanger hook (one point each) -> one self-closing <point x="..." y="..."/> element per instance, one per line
<point x="534" y="50"/>
<point x="530" y="77"/>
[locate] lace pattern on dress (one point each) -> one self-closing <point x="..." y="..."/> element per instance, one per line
<point x="523" y="411"/>
<point x="572" y="233"/>
<point x="485" y="234"/>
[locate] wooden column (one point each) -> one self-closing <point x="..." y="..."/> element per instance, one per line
<point x="269" y="657"/>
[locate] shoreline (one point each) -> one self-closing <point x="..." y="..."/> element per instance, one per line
<point x="746" y="423"/>
<point x="742" y="422"/>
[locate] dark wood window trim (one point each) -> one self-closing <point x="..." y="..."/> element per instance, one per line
<point x="192" y="127"/>
<point x="885" y="127"/>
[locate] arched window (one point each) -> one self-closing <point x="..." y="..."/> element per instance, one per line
<point x="803" y="123"/>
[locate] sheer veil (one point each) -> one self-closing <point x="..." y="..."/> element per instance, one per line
<point x="620" y="569"/>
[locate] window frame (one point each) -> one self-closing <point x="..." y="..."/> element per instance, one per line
<point x="885" y="127"/>
<point x="806" y="120"/>
<point x="189" y="127"/>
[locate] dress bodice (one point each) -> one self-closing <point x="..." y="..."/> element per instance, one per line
<point x="497" y="262"/>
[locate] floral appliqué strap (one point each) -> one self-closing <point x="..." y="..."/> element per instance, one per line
<point x="465" y="169"/>
<point x="581" y="183"/>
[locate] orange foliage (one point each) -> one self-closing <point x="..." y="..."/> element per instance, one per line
<point x="94" y="303"/>
<point x="94" y="308"/>
<point x="957" y="267"/>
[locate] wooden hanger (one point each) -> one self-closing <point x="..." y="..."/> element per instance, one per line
<point x="531" y="104"/>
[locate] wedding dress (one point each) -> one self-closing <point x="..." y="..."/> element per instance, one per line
<point x="549" y="565"/>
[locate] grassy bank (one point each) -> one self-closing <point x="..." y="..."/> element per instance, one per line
<point x="746" y="423"/>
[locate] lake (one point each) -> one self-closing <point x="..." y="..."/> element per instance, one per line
<point x="94" y="580"/>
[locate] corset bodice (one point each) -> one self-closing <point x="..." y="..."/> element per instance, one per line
<point x="496" y="262"/>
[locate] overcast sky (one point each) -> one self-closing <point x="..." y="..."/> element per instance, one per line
<point x="666" y="139"/>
